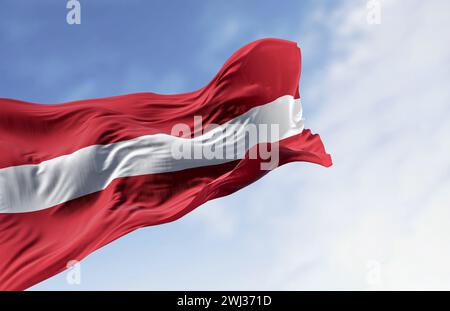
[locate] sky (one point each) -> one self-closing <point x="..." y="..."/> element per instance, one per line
<point x="377" y="93"/>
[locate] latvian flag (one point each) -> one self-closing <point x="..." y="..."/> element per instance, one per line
<point x="78" y="175"/>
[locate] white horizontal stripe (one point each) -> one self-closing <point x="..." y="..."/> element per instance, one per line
<point x="27" y="188"/>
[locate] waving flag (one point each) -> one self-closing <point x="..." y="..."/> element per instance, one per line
<point x="78" y="175"/>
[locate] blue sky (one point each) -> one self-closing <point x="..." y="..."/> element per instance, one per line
<point x="377" y="94"/>
<point x="129" y="46"/>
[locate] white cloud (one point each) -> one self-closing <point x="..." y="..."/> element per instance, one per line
<point x="380" y="103"/>
<point x="383" y="115"/>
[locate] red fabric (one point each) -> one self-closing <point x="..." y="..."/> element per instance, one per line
<point x="38" y="245"/>
<point x="255" y="75"/>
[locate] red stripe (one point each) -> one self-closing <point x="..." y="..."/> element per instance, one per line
<point x="255" y="75"/>
<point x="38" y="245"/>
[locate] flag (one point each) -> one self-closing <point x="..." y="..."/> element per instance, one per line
<point x="76" y="176"/>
